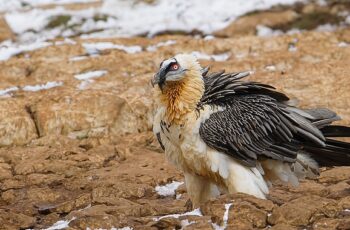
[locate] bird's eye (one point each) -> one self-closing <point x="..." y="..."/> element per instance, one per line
<point x="174" y="66"/>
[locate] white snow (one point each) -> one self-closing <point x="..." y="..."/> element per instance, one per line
<point x="10" y="5"/>
<point x="343" y="44"/>
<point x="294" y="31"/>
<point x="35" y="19"/>
<point x="129" y="18"/>
<point x="48" y="85"/>
<point x="209" y="37"/>
<point x="9" y="49"/>
<point x="83" y="84"/>
<point x="31" y="25"/>
<point x="264" y="31"/>
<point x="65" y="41"/>
<point x="270" y="68"/>
<point x="153" y="48"/>
<point x="113" y="228"/>
<point x="5" y="92"/>
<point x="321" y="2"/>
<point x="292" y="48"/>
<point x="185" y="223"/>
<point x="205" y="15"/>
<point x="90" y="74"/>
<point x="61" y="224"/>
<point x="215" y="57"/>
<point x="168" y="189"/>
<point x="93" y="48"/>
<point x="77" y="58"/>
<point x="196" y="212"/>
<point x="225" y="218"/>
<point x="124" y="228"/>
<point x="326" y="28"/>
<point x="347" y="20"/>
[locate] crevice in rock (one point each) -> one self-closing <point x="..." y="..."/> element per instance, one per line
<point x="33" y="117"/>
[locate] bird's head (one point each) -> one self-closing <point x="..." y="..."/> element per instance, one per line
<point x="176" y="69"/>
<point x="181" y="85"/>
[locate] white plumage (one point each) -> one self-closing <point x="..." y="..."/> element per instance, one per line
<point x="231" y="136"/>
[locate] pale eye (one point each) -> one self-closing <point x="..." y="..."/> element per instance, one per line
<point x="174" y="66"/>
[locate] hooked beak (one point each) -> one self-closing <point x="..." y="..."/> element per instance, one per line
<point x="159" y="78"/>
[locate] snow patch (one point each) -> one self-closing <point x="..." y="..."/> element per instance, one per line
<point x="294" y="31"/>
<point x="180" y="15"/>
<point x="209" y="37"/>
<point x="124" y="228"/>
<point x="321" y="2"/>
<point x="168" y="189"/>
<point x="347" y="20"/>
<point x="145" y="19"/>
<point x="32" y="20"/>
<point x="270" y="68"/>
<point x="48" y="85"/>
<point x="94" y="48"/>
<point x="61" y="224"/>
<point x="66" y="41"/>
<point x="215" y="57"/>
<point x="343" y="44"/>
<point x="225" y="218"/>
<point x="185" y="223"/>
<point x="113" y="228"/>
<point x="84" y="84"/>
<point x="153" y="48"/>
<point x="196" y="212"/>
<point x="90" y="74"/>
<point x="292" y="48"/>
<point x="6" y="92"/>
<point x="326" y="28"/>
<point x="77" y="58"/>
<point x="9" y="49"/>
<point x="264" y="31"/>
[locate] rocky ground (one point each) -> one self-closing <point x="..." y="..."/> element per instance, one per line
<point x="77" y="150"/>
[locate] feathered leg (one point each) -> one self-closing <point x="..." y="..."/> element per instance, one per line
<point x="246" y="180"/>
<point x="200" y="189"/>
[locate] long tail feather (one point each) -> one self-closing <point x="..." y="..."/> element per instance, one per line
<point x="335" y="153"/>
<point x="336" y="131"/>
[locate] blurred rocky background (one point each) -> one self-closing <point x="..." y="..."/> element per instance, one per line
<point x="76" y="108"/>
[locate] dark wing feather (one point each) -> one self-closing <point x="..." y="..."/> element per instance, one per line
<point x="255" y="122"/>
<point x="221" y="88"/>
<point x="253" y="126"/>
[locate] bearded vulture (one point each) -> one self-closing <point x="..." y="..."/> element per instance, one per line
<point x="227" y="135"/>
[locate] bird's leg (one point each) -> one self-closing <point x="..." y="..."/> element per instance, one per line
<point x="200" y="189"/>
<point x="246" y="180"/>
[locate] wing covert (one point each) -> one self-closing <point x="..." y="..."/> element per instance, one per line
<point x="253" y="126"/>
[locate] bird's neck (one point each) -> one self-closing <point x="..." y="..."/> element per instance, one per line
<point x="182" y="97"/>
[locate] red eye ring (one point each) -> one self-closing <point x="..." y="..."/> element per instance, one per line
<point x="174" y="66"/>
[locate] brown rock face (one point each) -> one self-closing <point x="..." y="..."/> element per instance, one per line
<point x="16" y="124"/>
<point x="83" y="152"/>
<point x="303" y="211"/>
<point x="246" y="25"/>
<point x="5" y="31"/>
